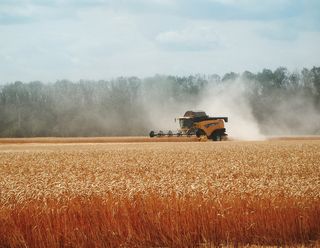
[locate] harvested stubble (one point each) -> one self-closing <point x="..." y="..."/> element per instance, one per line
<point x="165" y="194"/>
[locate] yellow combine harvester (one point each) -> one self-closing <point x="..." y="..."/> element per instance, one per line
<point x="198" y="123"/>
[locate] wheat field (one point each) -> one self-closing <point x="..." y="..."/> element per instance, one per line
<point x="160" y="194"/>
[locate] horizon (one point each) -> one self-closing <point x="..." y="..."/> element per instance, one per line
<point x="201" y="75"/>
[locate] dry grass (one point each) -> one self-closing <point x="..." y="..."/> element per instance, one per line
<point x="160" y="194"/>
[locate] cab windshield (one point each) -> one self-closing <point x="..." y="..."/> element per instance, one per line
<point x="185" y="123"/>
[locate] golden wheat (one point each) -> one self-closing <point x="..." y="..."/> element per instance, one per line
<point x="250" y="187"/>
<point x="261" y="168"/>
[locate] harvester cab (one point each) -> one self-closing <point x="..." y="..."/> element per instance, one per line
<point x="186" y="123"/>
<point x="200" y="124"/>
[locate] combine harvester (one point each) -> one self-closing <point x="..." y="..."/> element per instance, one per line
<point x="197" y="123"/>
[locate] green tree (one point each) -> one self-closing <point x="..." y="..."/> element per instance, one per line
<point x="231" y="76"/>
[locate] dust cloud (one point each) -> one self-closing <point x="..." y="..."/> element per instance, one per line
<point x="230" y="100"/>
<point x="253" y="114"/>
<point x="227" y="100"/>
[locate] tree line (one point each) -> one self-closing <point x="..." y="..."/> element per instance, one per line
<point x="127" y="105"/>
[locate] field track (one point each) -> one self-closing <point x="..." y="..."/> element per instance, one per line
<point x="133" y="139"/>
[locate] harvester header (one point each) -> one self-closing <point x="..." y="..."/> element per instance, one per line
<point x="197" y="123"/>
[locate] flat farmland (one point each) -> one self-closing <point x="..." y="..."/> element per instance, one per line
<point x="133" y="193"/>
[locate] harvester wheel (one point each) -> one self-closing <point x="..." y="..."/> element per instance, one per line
<point x="151" y="134"/>
<point x="216" y="137"/>
<point x="199" y="133"/>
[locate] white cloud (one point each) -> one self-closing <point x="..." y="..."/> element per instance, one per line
<point x="243" y="2"/>
<point x="190" y="38"/>
<point x="160" y="2"/>
<point x="252" y="3"/>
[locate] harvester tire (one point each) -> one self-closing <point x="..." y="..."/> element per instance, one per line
<point x="216" y="137"/>
<point x="151" y="134"/>
<point x="199" y="133"/>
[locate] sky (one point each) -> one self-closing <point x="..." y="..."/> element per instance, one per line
<point x="51" y="40"/>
